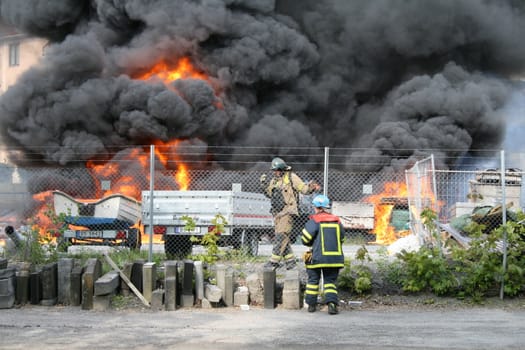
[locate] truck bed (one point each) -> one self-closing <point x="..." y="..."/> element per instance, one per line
<point x="355" y="215"/>
<point x="240" y="210"/>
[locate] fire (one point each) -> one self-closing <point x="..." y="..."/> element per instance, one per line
<point x="183" y="69"/>
<point x="117" y="179"/>
<point x="42" y="221"/>
<point x="111" y="177"/>
<point x="385" y="232"/>
<point x="167" y="152"/>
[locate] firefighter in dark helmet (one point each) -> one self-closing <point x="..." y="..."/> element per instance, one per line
<point x="324" y="233"/>
<point x="283" y="190"/>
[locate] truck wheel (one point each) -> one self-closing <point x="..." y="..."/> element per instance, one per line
<point x="179" y="246"/>
<point x="134" y="240"/>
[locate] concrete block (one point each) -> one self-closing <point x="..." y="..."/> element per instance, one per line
<point x="291" y="299"/>
<point x="136" y="274"/>
<point x="205" y="304"/>
<point x="241" y="296"/>
<point x="255" y="287"/>
<point x="49" y="277"/>
<point x="149" y="279"/>
<point x="170" y="293"/>
<point x="269" y="281"/>
<point x="7" y="288"/>
<point x="107" y="284"/>
<point x="102" y="302"/>
<point x="125" y="290"/>
<point x="170" y="269"/>
<point x="187" y="297"/>
<point x="199" y="280"/>
<point x="220" y="276"/>
<point x="76" y="285"/>
<point x="187" y="300"/>
<point x="35" y="289"/>
<point x="187" y="283"/>
<point x="65" y="266"/>
<point x="291" y="280"/>
<point x="92" y="272"/>
<point x="157" y="300"/>
<point x="212" y="293"/>
<point x="227" y="293"/>
<point x="22" y="287"/>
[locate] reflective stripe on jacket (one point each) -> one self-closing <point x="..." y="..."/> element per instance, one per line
<point x="325" y="234"/>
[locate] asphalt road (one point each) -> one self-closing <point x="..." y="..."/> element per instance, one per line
<point x="38" y="327"/>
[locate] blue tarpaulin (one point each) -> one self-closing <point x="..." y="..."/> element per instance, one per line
<point x="98" y="223"/>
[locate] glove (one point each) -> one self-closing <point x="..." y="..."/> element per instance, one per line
<point x="313" y="186"/>
<point x="263" y="178"/>
<point x="307" y="257"/>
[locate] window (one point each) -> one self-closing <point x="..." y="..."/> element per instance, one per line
<point x="14" y="54"/>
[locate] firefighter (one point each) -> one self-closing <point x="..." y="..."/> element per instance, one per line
<point x="283" y="190"/>
<point x="324" y="233"/>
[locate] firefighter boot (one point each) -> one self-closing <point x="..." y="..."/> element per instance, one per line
<point x="332" y="309"/>
<point x="311" y="308"/>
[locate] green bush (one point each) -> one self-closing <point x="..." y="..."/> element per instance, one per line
<point x="427" y="271"/>
<point x="358" y="278"/>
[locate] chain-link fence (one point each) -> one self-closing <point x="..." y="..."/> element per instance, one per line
<point x="104" y="204"/>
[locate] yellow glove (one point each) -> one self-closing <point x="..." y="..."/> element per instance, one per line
<point x="307" y="257"/>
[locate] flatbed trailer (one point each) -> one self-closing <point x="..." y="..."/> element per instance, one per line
<point x="246" y="217"/>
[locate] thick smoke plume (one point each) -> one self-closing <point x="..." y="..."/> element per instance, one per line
<point x="386" y="76"/>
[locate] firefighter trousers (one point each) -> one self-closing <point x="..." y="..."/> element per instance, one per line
<point x="282" y="248"/>
<point x="329" y="285"/>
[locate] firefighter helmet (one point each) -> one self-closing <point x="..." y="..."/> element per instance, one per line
<point x="321" y="201"/>
<point x="279" y="164"/>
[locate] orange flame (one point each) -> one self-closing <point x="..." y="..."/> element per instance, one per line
<point x="42" y="221"/>
<point x="120" y="183"/>
<point x="385" y="232"/>
<point x="166" y="152"/>
<point x="183" y="69"/>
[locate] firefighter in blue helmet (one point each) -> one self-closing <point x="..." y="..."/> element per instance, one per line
<point x="324" y="233"/>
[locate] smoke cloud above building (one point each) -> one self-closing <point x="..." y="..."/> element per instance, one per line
<point x="390" y="78"/>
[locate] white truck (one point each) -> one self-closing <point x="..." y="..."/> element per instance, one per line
<point x="111" y="220"/>
<point x="247" y="217"/>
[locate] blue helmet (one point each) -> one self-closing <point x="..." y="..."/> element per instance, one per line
<point x="321" y="201"/>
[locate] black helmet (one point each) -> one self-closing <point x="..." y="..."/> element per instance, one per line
<point x="279" y="164"/>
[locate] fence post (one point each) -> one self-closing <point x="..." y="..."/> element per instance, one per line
<point x="435" y="206"/>
<point x="151" y="188"/>
<point x="503" y="222"/>
<point x="325" y="173"/>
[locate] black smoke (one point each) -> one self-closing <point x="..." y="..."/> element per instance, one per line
<point x="392" y="80"/>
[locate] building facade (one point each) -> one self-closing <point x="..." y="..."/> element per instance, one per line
<point x="18" y="52"/>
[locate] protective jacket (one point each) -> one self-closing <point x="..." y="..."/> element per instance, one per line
<point x="288" y="187"/>
<point x="325" y="234"/>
